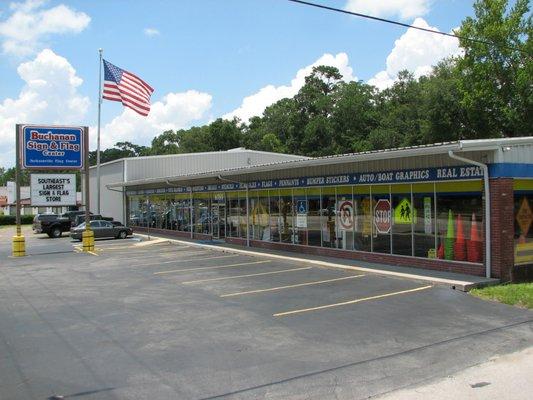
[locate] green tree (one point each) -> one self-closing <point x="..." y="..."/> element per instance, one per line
<point x="496" y="83"/>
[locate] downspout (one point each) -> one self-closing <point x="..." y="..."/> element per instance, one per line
<point x="247" y="207"/>
<point x="487" y="206"/>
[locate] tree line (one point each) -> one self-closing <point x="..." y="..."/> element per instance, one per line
<point x="486" y="92"/>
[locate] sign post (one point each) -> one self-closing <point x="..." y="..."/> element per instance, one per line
<point x="42" y="147"/>
<point x="19" y="244"/>
<point x="87" y="235"/>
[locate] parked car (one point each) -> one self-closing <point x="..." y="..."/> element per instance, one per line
<point x="102" y="229"/>
<point x="79" y="219"/>
<point x="51" y="224"/>
<point x="72" y="215"/>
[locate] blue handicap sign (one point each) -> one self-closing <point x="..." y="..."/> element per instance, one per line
<point x="53" y="147"/>
<point x="301" y="206"/>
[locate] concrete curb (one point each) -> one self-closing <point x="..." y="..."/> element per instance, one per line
<point x="464" y="286"/>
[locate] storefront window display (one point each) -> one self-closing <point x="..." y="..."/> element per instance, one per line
<point x="301" y="212"/>
<point x="460" y="221"/>
<point x="523" y="221"/>
<point x="431" y="220"/>
<point x="275" y="218"/>
<point x="344" y="218"/>
<point x="286" y="216"/>
<point x="403" y="216"/>
<point x="328" y="217"/>
<point x="313" y="217"/>
<point x="362" y="218"/>
<point x="233" y="214"/>
<point x="424" y="224"/>
<point x="382" y="219"/>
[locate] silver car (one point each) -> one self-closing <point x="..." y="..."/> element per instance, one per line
<point x="102" y="229"/>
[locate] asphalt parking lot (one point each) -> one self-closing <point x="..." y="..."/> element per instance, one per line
<point x="176" y="321"/>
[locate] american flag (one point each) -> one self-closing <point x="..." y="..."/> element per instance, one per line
<point x="129" y="89"/>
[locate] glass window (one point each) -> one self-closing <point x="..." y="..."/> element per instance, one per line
<point x="363" y="218"/>
<point x="286" y="216"/>
<point x="263" y="215"/>
<point x="300" y="220"/>
<point x="135" y="210"/>
<point x="460" y="221"/>
<point x="403" y="215"/>
<point x="381" y="218"/>
<point x="344" y="218"/>
<point x="182" y="212"/>
<point x="233" y="209"/>
<point x="275" y="218"/>
<point x="313" y="217"/>
<point x="243" y="223"/>
<point x="424" y="223"/>
<point x="201" y="203"/>
<point x="257" y="216"/>
<point x="523" y="212"/>
<point x="329" y="206"/>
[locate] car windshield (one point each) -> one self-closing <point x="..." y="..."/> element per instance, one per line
<point x="82" y="225"/>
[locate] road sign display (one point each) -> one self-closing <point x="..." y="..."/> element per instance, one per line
<point x="403" y="213"/>
<point x="346" y="215"/>
<point x="382" y="216"/>
<point x="51" y="147"/>
<point x="301" y="207"/>
<point x="49" y="190"/>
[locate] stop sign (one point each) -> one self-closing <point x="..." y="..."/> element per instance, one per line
<point x="382" y="216"/>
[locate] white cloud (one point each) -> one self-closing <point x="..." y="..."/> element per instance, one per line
<point x="256" y="103"/>
<point x="49" y="96"/>
<point x="405" y="9"/>
<point x="23" y="32"/>
<point x="174" y="111"/>
<point x="415" y="51"/>
<point x="151" y="32"/>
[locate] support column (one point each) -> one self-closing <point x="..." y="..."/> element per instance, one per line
<point x="502" y="227"/>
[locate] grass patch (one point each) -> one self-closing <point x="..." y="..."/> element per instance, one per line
<point x="519" y="294"/>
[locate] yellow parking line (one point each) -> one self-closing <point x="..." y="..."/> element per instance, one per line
<point x="344" y="303"/>
<point x="190" y="259"/>
<point x="246" y="276"/>
<point x="290" y="286"/>
<point x="204" y="268"/>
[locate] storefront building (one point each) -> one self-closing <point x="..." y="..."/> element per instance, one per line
<point x="421" y="207"/>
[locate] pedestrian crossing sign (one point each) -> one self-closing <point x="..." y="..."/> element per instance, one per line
<point x="404" y="212"/>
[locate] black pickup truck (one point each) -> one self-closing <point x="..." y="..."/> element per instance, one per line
<point x="51" y="224"/>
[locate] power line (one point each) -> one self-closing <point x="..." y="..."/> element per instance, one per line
<point x="388" y="21"/>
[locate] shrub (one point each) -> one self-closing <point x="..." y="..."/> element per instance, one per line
<point x="10" y="219"/>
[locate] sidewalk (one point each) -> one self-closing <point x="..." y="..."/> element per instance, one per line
<point x="506" y="377"/>
<point x="443" y="278"/>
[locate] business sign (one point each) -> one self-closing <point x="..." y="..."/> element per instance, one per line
<point x="402" y="176"/>
<point x="382" y="216"/>
<point x="50" y="190"/>
<point x="51" y="147"/>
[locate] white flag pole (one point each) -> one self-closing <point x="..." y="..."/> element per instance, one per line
<point x="98" y="134"/>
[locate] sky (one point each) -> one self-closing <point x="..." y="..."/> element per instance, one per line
<point x="205" y="59"/>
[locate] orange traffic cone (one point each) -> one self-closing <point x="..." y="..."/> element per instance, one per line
<point x="459" y="247"/>
<point x="473" y="248"/>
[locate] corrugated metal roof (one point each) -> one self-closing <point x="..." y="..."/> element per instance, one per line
<point x="421" y="150"/>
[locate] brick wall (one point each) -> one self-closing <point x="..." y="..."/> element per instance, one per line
<point x="502" y="227"/>
<point x="426" y="263"/>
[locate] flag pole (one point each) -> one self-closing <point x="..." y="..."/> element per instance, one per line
<point x="100" y="51"/>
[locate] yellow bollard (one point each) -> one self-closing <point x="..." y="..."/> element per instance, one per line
<point x="19" y="246"/>
<point x="87" y="238"/>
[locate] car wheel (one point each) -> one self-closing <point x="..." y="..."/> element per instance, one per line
<point x="56" y="232"/>
<point x="122" y="235"/>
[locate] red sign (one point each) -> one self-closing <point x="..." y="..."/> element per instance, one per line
<point x="382" y="216"/>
